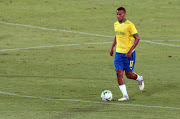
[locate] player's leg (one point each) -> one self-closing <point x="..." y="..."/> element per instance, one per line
<point x="122" y="85"/>
<point x="120" y="77"/>
<point x="119" y="67"/>
<point x="132" y="75"/>
<point x="129" y="66"/>
<point x="136" y="77"/>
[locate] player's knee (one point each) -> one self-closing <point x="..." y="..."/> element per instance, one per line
<point x="119" y="73"/>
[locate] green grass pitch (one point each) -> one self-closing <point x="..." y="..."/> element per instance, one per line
<point x="63" y="76"/>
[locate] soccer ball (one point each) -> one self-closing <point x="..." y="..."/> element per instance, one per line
<point x="106" y="95"/>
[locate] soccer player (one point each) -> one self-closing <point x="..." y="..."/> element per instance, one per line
<point x="126" y="40"/>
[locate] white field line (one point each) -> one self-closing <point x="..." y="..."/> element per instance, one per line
<point x="167" y="40"/>
<point x="43" y="28"/>
<point x="54" y="46"/>
<point x="94" y="102"/>
<point x="161" y="43"/>
<point x="49" y="29"/>
<point x="75" y="45"/>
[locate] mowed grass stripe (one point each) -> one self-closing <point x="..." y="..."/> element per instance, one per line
<point x="74" y="45"/>
<point x="43" y="28"/>
<point x="55" y="46"/>
<point x="50" y="29"/>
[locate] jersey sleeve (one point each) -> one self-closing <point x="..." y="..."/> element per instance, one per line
<point x="133" y="30"/>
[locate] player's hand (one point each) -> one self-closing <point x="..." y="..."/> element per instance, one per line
<point x="111" y="52"/>
<point x="128" y="54"/>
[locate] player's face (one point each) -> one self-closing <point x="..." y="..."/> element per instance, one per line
<point x="121" y="15"/>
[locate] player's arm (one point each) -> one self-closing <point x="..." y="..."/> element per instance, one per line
<point x="114" y="43"/>
<point x="136" y="41"/>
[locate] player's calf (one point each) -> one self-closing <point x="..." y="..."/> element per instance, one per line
<point x="136" y="77"/>
<point x="131" y="75"/>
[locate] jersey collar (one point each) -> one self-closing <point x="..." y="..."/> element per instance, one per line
<point x="123" y="21"/>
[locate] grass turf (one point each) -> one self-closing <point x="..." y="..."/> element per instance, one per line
<point x="82" y="72"/>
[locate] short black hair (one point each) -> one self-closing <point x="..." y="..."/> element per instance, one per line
<point x="122" y="8"/>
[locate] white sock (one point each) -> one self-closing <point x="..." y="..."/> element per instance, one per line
<point x="123" y="89"/>
<point x="138" y="78"/>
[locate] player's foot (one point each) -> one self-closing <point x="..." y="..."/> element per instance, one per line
<point x="141" y="84"/>
<point x="124" y="98"/>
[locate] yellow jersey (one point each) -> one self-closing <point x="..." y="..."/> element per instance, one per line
<point x="124" y="35"/>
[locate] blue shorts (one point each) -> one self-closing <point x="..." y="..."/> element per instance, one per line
<point x="123" y="63"/>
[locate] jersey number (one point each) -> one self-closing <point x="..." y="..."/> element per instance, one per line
<point x="131" y="63"/>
